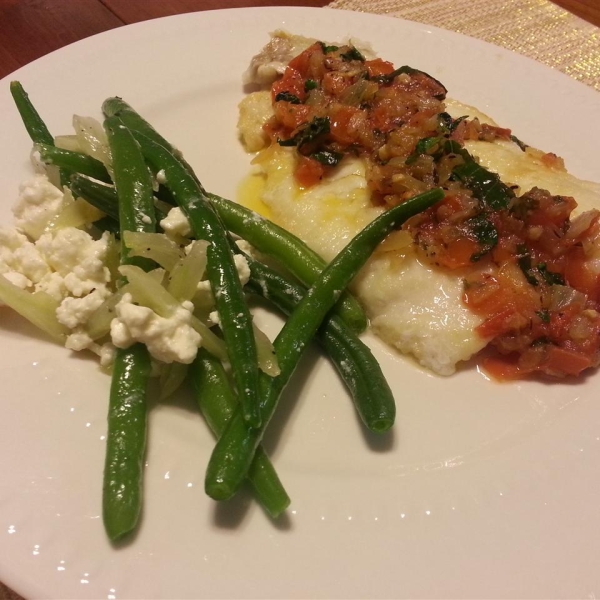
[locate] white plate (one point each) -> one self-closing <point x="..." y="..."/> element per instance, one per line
<point x="483" y="490"/>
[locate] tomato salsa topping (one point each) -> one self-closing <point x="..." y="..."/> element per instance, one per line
<point x="529" y="269"/>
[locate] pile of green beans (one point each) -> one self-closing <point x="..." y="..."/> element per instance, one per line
<point x="313" y="296"/>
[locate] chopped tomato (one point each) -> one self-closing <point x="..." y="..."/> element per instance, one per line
<point x="309" y="171"/>
<point x="335" y="83"/>
<point x="378" y="67"/>
<point x="306" y="62"/>
<point x="581" y="276"/>
<point x="560" y="361"/>
<point x="497" y="324"/>
<point x="502" y="368"/>
<point x="382" y="119"/>
<point x="341" y="120"/>
<point x="458" y="253"/>
<point x="292" y="116"/>
<point x="292" y="82"/>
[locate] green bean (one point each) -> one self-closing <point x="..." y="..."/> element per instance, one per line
<point x="110" y="225"/>
<point x="359" y="369"/>
<point x="234" y="314"/>
<point x="73" y="162"/>
<point x="133" y="183"/>
<point x="235" y="449"/>
<point x="217" y="403"/>
<point x="290" y="251"/>
<point x="125" y="441"/>
<point x="127" y="416"/>
<point x="267" y="237"/>
<point x="131" y="118"/>
<point x="36" y="128"/>
<point x="103" y="197"/>
<point x="370" y="391"/>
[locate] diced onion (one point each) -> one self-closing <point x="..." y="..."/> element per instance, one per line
<point x="562" y="296"/>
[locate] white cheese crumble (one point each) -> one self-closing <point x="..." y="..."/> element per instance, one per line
<point x="243" y="270"/>
<point x="169" y="340"/>
<point x="78" y="258"/>
<point x="73" y="312"/>
<point x="176" y="223"/>
<point x="38" y="202"/>
<point x="20" y="260"/>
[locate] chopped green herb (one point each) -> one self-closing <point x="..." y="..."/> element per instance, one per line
<point x="287" y="97"/>
<point x="384" y="79"/>
<point x="327" y="157"/>
<point x="544" y="315"/>
<point x="309" y="133"/>
<point x="352" y="54"/>
<point x="446" y="124"/>
<point x="523" y="205"/>
<point x="519" y="143"/>
<point x="423" y="146"/>
<point x="328" y="49"/>
<point x="310" y="84"/>
<point x="485" y="185"/>
<point x="486" y="234"/>
<point x="524" y="261"/>
<point x="550" y="277"/>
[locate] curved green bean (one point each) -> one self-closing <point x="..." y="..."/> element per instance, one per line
<point x="34" y="124"/>
<point x="217" y="404"/>
<point x="73" y="162"/>
<point x="290" y="251"/>
<point x="36" y="128"/>
<point x="103" y="197"/>
<point x="234" y="451"/>
<point x="131" y="118"/>
<point x="359" y="369"/>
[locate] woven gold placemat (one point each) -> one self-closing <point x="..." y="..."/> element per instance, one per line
<point x="538" y="29"/>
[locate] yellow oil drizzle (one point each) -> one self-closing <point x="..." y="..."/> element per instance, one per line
<point x="250" y="192"/>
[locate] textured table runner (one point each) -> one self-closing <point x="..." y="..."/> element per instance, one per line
<point x="538" y="29"/>
<point x="535" y="28"/>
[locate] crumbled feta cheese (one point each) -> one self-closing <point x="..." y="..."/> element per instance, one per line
<point x="54" y="285"/>
<point x="80" y="340"/>
<point x="107" y="355"/>
<point x="243" y="269"/>
<point x="38" y="202"/>
<point x="78" y="258"/>
<point x="214" y="318"/>
<point x="161" y="177"/>
<point x="204" y="286"/>
<point x="245" y="247"/>
<point x="176" y="223"/>
<point x="168" y="339"/>
<point x="73" y="312"/>
<point x="146" y="219"/>
<point x="18" y="254"/>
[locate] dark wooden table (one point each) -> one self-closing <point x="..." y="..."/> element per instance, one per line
<point x="31" y="28"/>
